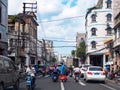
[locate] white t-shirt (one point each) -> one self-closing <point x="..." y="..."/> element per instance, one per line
<point x="76" y="69"/>
<point x="29" y="71"/>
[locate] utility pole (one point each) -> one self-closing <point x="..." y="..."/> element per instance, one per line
<point x="28" y="8"/>
<point x="32" y="6"/>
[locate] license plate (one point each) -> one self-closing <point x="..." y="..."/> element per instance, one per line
<point x="96" y="73"/>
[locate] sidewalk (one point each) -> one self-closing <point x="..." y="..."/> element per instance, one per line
<point x="112" y="81"/>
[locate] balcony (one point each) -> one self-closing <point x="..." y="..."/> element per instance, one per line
<point x="116" y="42"/>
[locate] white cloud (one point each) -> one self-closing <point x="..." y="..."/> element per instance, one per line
<point x="54" y="10"/>
<point x="47" y="6"/>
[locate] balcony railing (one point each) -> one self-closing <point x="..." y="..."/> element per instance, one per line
<point x="116" y="42"/>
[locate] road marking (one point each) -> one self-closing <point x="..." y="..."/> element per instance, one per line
<point x="62" y="86"/>
<point x="81" y="83"/>
<point x="47" y="76"/>
<point x="108" y="87"/>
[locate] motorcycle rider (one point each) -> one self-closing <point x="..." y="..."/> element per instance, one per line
<point x="55" y="71"/>
<point x="76" y="72"/>
<point x="62" y="69"/>
<point x="31" y="71"/>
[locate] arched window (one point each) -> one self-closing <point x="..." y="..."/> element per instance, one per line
<point x="109" y="17"/>
<point x="109" y="29"/>
<point x="109" y="2"/>
<point x="93" y="31"/>
<point x="93" y="44"/>
<point x="93" y="17"/>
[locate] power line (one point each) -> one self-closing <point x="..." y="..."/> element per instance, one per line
<point x="62" y="46"/>
<point x="59" y="40"/>
<point x="62" y="19"/>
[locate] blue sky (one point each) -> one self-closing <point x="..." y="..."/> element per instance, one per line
<point x="59" y="20"/>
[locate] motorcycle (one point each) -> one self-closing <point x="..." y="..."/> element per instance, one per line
<point x="29" y="82"/>
<point x="55" y="76"/>
<point x="76" y="76"/>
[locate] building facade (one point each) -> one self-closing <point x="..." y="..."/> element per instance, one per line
<point x="79" y="38"/>
<point x="3" y="26"/>
<point x="22" y="39"/>
<point x="99" y="24"/>
<point x="116" y="42"/>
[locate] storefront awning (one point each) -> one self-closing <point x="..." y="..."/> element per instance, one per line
<point x="108" y="40"/>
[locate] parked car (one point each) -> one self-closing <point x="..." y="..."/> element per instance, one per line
<point x="95" y="73"/>
<point x="9" y="75"/>
<point x="83" y="68"/>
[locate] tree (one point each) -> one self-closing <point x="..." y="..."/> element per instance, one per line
<point x="53" y="60"/>
<point x="73" y="53"/>
<point x="80" y="52"/>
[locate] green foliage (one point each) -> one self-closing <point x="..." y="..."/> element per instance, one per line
<point x="13" y="18"/>
<point x="80" y="52"/>
<point x="73" y="52"/>
<point x="53" y="59"/>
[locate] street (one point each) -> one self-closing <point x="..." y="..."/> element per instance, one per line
<point x="45" y="83"/>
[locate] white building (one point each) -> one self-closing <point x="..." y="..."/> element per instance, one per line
<point x="99" y="24"/>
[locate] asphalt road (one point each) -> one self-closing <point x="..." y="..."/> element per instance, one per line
<point x="45" y="83"/>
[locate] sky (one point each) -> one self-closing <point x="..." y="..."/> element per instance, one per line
<point x="59" y="20"/>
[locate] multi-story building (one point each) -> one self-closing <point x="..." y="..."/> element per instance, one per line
<point x="39" y="52"/>
<point x="79" y="38"/>
<point x="49" y="50"/>
<point x="23" y="38"/>
<point x="116" y="41"/>
<point x="3" y="26"/>
<point x="99" y="27"/>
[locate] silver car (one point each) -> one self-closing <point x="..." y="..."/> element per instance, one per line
<point x="9" y="75"/>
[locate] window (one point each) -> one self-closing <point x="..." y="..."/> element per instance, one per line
<point x="109" y="17"/>
<point x="93" y="43"/>
<point x="93" y="31"/>
<point x="93" y="17"/>
<point x="108" y="2"/>
<point x="109" y="29"/>
<point x="81" y="39"/>
<point x="109" y="32"/>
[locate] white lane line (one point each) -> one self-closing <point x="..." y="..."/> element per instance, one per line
<point x="47" y="76"/>
<point x="108" y="87"/>
<point x="81" y="83"/>
<point x="62" y="86"/>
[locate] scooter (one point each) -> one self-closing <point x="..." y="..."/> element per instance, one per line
<point x="29" y="82"/>
<point x="76" y="76"/>
<point x="55" y="76"/>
